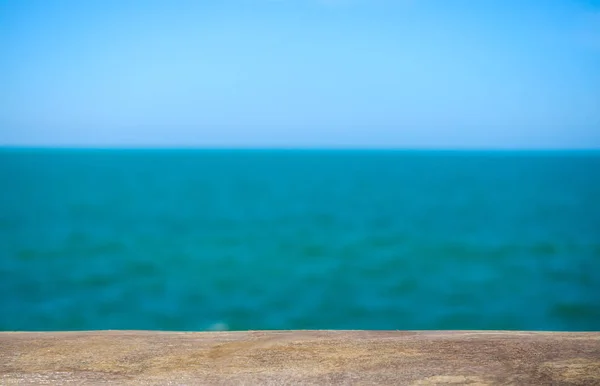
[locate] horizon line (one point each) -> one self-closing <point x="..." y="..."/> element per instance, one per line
<point x="299" y="148"/>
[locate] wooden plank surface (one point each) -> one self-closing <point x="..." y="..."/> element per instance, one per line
<point x="300" y="357"/>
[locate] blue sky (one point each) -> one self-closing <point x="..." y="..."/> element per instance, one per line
<point x="301" y="73"/>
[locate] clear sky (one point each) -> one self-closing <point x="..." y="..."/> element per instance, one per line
<point x="301" y="73"/>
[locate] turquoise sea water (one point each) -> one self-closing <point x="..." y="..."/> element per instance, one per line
<point x="194" y="240"/>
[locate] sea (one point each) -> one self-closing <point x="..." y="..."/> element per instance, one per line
<point x="196" y="240"/>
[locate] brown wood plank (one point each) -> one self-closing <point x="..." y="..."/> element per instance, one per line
<point x="306" y="357"/>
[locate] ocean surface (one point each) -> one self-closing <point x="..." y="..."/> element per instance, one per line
<point x="266" y="239"/>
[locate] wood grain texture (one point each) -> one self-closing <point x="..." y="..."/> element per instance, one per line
<point x="306" y="357"/>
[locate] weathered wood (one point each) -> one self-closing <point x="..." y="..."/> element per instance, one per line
<point x="307" y="357"/>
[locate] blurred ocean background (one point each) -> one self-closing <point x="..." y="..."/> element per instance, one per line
<point x="285" y="239"/>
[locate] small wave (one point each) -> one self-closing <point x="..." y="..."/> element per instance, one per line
<point x="219" y="326"/>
